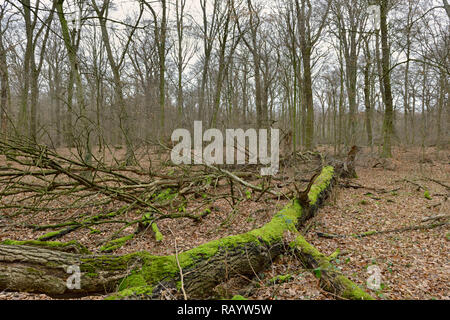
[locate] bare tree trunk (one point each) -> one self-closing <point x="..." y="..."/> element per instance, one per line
<point x="424" y="106"/>
<point x="341" y="108"/>
<point x="307" y="93"/>
<point x="118" y="85"/>
<point x="440" y="107"/>
<point x="74" y="65"/>
<point x="180" y="5"/>
<point x="29" y="52"/>
<point x="34" y="100"/>
<point x="379" y="66"/>
<point x="209" y="31"/>
<point x="160" y="39"/>
<point x="388" y="113"/>
<point x="349" y="19"/>
<point x="406" y="84"/>
<point x="4" y="89"/>
<point x="447" y="7"/>
<point x="253" y="47"/>
<point x="245" y="91"/>
<point x="69" y="132"/>
<point x="162" y="65"/>
<point x="308" y="39"/>
<point x="413" y="116"/>
<point x="222" y="66"/>
<point x="367" y="91"/>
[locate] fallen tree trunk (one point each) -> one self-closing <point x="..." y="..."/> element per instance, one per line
<point x="42" y="270"/>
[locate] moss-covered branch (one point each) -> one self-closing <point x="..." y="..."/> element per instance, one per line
<point x="331" y="279"/>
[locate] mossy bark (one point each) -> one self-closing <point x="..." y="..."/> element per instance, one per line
<point x="33" y="269"/>
<point x="331" y="279"/>
<point x="71" y="246"/>
<point x="27" y="268"/>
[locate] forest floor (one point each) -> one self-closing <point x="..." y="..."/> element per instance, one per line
<point x="386" y="195"/>
<point x="413" y="264"/>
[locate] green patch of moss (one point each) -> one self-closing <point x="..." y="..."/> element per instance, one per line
<point x="352" y="291"/>
<point x="91" y="275"/>
<point x="94" y="231"/>
<point x="238" y="297"/>
<point x="308" y="249"/>
<point x="147" y="218"/>
<point x="165" y="195"/>
<point x="364" y="234"/>
<point x="134" y="280"/>
<point x="49" y="235"/>
<point x="334" y="255"/>
<point x="116" y="244"/>
<point x="427" y="195"/>
<point x="157" y="268"/>
<point x="320" y="184"/>
<point x="158" y="235"/>
<point x="135" y="291"/>
<point x="280" y="279"/>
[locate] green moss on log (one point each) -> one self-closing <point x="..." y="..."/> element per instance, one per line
<point x="313" y="258"/>
<point x="49" y="235"/>
<point x="71" y="246"/>
<point x="131" y="292"/>
<point x="116" y="243"/>
<point x="365" y="234"/>
<point x="320" y="184"/>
